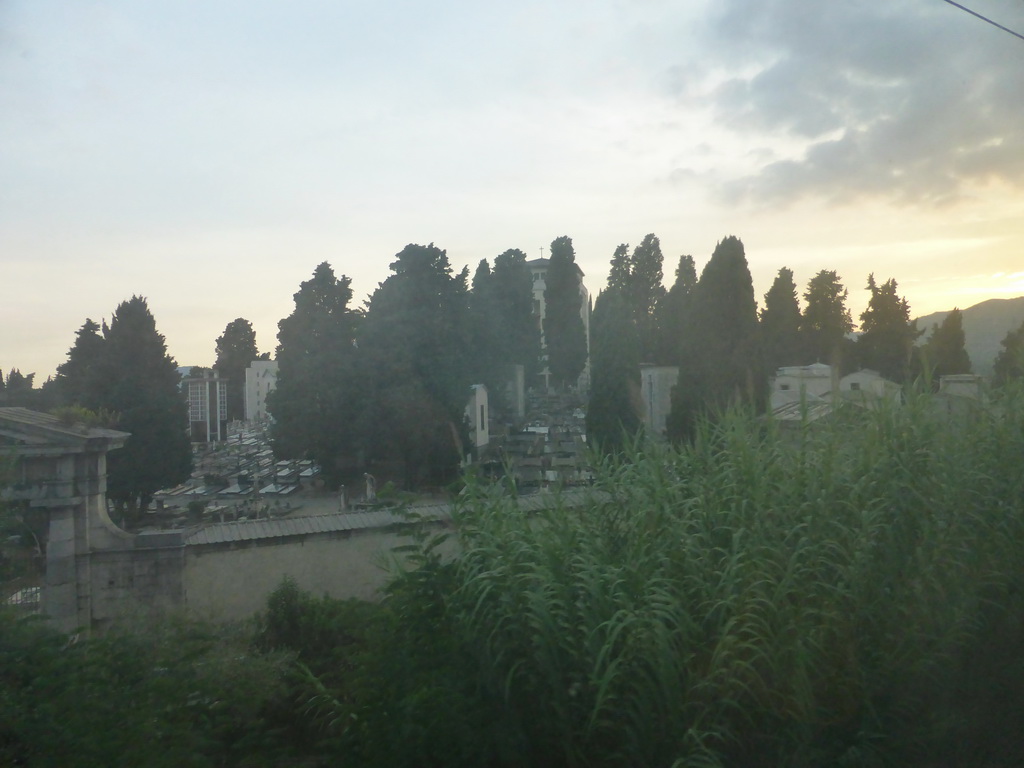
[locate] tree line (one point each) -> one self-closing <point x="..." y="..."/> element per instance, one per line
<point x="384" y="385"/>
<point x="726" y="348"/>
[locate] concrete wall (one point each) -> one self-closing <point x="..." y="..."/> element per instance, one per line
<point x="232" y="581"/>
<point x="127" y="582"/>
<point x="656" y="383"/>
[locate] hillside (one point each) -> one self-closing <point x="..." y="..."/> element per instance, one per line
<point x="985" y="326"/>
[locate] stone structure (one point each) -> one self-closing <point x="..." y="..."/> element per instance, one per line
<point x="260" y="380"/>
<point x="796" y="383"/>
<point x="62" y="469"/>
<point x="97" y="573"/>
<point x="477" y="414"/>
<point x="656" y="383"/>
<point x="207" y="396"/>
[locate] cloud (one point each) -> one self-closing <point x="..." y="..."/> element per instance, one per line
<point x="910" y="102"/>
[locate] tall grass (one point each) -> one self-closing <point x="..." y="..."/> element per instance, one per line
<point x="755" y="598"/>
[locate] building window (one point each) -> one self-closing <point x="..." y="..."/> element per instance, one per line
<point x="855" y="386"/>
<point x="784" y="387"/>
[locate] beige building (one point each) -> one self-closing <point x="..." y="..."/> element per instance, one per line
<point x="260" y="380"/>
<point x="866" y="384"/>
<point x="795" y="383"/>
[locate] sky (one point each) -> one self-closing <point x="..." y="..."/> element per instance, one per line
<point x="208" y="155"/>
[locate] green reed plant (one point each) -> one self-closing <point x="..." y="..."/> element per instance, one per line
<point x="752" y="598"/>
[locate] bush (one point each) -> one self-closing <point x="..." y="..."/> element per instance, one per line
<point x="174" y="693"/>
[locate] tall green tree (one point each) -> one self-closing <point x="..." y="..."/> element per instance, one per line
<point x="888" y="334"/>
<point x="670" y="315"/>
<point x="645" y="290"/>
<point x="485" y="328"/>
<point x="620" y="268"/>
<point x="512" y="297"/>
<point x="564" y="333"/>
<point x="614" y="408"/>
<point x="236" y="349"/>
<point x="780" y="322"/>
<point x="416" y="351"/>
<point x="313" y="405"/>
<point x="826" y="319"/>
<point x="1009" y="363"/>
<point x="504" y="327"/>
<point x="135" y="378"/>
<point x="722" y="361"/>
<point x="76" y="380"/>
<point x="945" y="352"/>
<point x="18" y="389"/>
<point x="637" y="278"/>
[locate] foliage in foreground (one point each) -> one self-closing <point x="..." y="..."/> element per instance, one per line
<point x="843" y="595"/>
<point x="170" y="694"/>
<point x="846" y="596"/>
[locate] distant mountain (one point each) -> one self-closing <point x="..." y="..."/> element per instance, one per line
<point x="985" y="326"/>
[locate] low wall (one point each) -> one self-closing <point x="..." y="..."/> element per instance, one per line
<point x="226" y="571"/>
<point x="230" y="581"/>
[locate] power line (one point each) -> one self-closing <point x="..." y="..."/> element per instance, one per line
<point x="985" y="18"/>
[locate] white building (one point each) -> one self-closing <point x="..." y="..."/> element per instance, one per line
<point x="795" y="383"/>
<point x="260" y="379"/>
<point x="539" y="272"/>
<point x="477" y="413"/>
<point x="866" y="385"/>
<point x="207" y="396"/>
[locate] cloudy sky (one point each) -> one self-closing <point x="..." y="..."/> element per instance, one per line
<point x="208" y="155"/>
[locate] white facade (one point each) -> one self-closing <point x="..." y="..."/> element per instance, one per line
<point x="477" y="413"/>
<point x="260" y="379"/>
<point x="795" y="383"/>
<point x="539" y="272"/>
<point x="656" y="382"/>
<point x="867" y="384"/>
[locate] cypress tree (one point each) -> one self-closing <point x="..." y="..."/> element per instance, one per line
<point x="670" y="315"/>
<point x="137" y="380"/>
<point x="564" y="333"/>
<point x="236" y="349"/>
<point x="76" y="381"/>
<point x="1009" y="363"/>
<point x="826" y="319"/>
<point x="887" y="341"/>
<point x="512" y="297"/>
<point x="614" y="406"/>
<point x="945" y="352"/>
<point x="416" y="350"/>
<point x="314" y="403"/>
<point x="722" y="359"/>
<point x="780" y="322"/>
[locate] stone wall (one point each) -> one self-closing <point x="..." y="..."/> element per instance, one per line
<point x="223" y="582"/>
